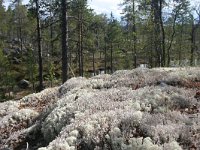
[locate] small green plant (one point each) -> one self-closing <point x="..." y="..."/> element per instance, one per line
<point x="31" y="67"/>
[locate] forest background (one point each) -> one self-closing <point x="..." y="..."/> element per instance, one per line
<point x="46" y="42"/>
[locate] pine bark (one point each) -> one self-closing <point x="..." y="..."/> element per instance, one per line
<point x="64" y="40"/>
<point x="39" y="48"/>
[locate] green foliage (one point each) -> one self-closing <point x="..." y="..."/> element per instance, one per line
<point x="3" y="60"/>
<point x="2" y="18"/>
<point x="51" y="73"/>
<point x="7" y="80"/>
<point x="31" y="67"/>
<point x="114" y="32"/>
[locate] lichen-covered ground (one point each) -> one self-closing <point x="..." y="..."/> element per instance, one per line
<point x="141" y="109"/>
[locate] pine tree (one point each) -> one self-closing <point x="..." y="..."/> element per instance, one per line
<point x="130" y="19"/>
<point x="39" y="38"/>
<point x="64" y="25"/>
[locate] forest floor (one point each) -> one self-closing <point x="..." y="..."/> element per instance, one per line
<point x="153" y="109"/>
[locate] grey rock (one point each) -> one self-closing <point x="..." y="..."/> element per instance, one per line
<point x="23" y="84"/>
<point x="6" y="51"/>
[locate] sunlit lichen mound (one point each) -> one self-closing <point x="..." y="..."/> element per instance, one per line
<point x="141" y="109"/>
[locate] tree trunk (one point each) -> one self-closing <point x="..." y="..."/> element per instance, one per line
<point x="50" y="53"/>
<point x="134" y="36"/>
<point x="192" y="44"/>
<point x="111" y="58"/>
<point x="193" y="40"/>
<point x="80" y="44"/>
<point x="82" y="62"/>
<point x="20" y="37"/>
<point x="172" y="38"/>
<point x="151" y="52"/>
<point x="157" y="41"/>
<point x="51" y="35"/>
<point x="64" y="27"/>
<point x="180" y="45"/>
<point x="39" y="48"/>
<point x="105" y="55"/>
<point x="93" y="62"/>
<point x="163" y="36"/>
<point x="79" y="49"/>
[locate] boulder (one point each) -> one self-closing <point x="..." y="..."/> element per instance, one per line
<point x="16" y="41"/>
<point x="23" y="84"/>
<point x="6" y="51"/>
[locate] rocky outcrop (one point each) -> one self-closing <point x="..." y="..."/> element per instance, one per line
<point x="133" y="109"/>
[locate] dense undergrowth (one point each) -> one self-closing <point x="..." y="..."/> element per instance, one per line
<point x="129" y="110"/>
